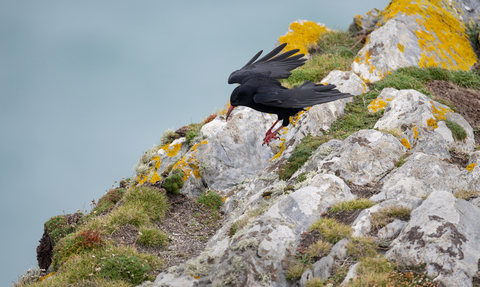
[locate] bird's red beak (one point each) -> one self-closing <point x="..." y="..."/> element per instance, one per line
<point x="229" y="111"/>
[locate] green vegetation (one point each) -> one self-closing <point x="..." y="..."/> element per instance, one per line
<point x="58" y="227"/>
<point x="359" y="203"/>
<point x="211" y="200"/>
<point x="77" y="243"/>
<point x="302" y="177"/>
<point x="152" y="237"/>
<point x="331" y="230"/>
<point x="174" y="182"/>
<point x="332" y="52"/>
<point x="108" y="201"/>
<point x="386" y="215"/>
<point x="319" y="249"/>
<point x="467" y="195"/>
<point x="401" y="161"/>
<point x="300" y="155"/>
<point x="457" y="131"/>
<point x="361" y="247"/>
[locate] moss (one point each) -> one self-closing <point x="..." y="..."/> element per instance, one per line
<point x="457" y="130"/>
<point x="174" y="182"/>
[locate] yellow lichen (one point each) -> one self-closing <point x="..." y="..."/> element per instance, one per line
<point x="173" y="151"/>
<point x="406" y="143"/>
<point x="443" y="40"/>
<point x="441" y="112"/>
<point x="401" y="47"/>
<point x="47" y="276"/>
<point x="282" y="149"/>
<point x="189" y="164"/>
<point x="415" y="131"/>
<point x="155" y="178"/>
<point x="378" y="104"/>
<point x="300" y="36"/>
<point x="432" y="123"/>
<point x="470" y="167"/>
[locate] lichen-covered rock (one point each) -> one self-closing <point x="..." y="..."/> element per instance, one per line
<point x="363" y="225"/>
<point x="301" y="34"/>
<point x="444" y="233"/>
<point x="422" y="122"/>
<point x="231" y="155"/>
<point x="421" y="175"/>
<point x="415" y="33"/>
<point x="346" y="82"/>
<point x="364" y="156"/>
<point x="365" y="22"/>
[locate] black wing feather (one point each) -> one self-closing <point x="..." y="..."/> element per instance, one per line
<point x="306" y="95"/>
<point x="272" y="64"/>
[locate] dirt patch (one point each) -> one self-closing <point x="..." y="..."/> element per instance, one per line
<point x="460" y="159"/>
<point x="467" y="101"/>
<point x="189" y="226"/>
<point x="344" y="216"/>
<point x="306" y="239"/>
<point x="366" y="190"/>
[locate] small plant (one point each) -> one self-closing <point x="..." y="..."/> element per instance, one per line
<point x="295" y="270"/>
<point x="108" y="201"/>
<point x="77" y="243"/>
<point x="210" y="118"/>
<point x="331" y="230"/>
<point x="360" y="203"/>
<point x="32" y="275"/>
<point x="373" y="271"/>
<point x="361" y="247"/>
<point x="401" y="161"/>
<point x="152" y="237"/>
<point x="302" y="177"/>
<point x="319" y="249"/>
<point x="457" y="131"/>
<point x="386" y="215"/>
<point x="211" y="200"/>
<point x="174" y="182"/>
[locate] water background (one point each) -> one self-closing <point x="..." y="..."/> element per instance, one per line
<point x="87" y="86"/>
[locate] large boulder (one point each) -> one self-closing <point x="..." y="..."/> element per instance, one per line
<point x="417" y="33"/>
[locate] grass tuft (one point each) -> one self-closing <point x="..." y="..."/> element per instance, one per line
<point x="386" y="215"/>
<point x="331" y="230"/>
<point x="458" y="132"/>
<point x="211" y="200"/>
<point x="360" y="203"/>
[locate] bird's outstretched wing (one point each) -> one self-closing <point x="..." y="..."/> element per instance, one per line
<point x="278" y="67"/>
<point x="306" y="95"/>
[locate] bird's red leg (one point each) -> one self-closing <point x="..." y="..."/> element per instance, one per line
<point x="272" y="135"/>
<point x="270" y="129"/>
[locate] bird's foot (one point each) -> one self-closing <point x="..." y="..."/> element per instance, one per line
<point x="268" y="137"/>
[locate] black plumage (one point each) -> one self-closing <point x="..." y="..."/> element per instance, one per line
<point x="260" y="90"/>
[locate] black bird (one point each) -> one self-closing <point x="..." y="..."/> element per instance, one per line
<point x="260" y="90"/>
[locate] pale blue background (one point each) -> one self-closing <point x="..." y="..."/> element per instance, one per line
<point x="87" y="86"/>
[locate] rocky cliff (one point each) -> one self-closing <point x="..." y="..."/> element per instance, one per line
<point x="389" y="188"/>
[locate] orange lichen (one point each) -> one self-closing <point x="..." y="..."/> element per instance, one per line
<point x="471" y="166"/>
<point x="443" y="40"/>
<point x="415" y="131"/>
<point x="189" y="164"/>
<point x="301" y="35"/>
<point x="432" y="123"/>
<point x="401" y="47"/>
<point x="406" y="143"/>
<point x="155" y="178"/>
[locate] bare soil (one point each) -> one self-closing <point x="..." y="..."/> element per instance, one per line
<point x="467" y="101"/>
<point x="188" y="224"/>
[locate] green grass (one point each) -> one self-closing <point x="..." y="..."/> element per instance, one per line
<point x="58" y="228"/>
<point x="152" y="237"/>
<point x="360" y="203"/>
<point x="331" y="230"/>
<point x="457" y="131"/>
<point x="332" y="52"/>
<point x="211" y="200"/>
<point x="300" y="155"/>
<point x="386" y="215"/>
<point x="108" y="201"/>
